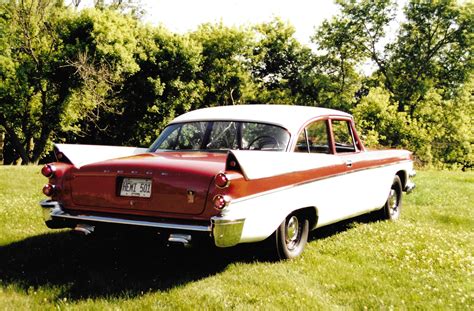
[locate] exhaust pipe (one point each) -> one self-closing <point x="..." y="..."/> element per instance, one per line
<point x="83" y="229"/>
<point x="184" y="239"/>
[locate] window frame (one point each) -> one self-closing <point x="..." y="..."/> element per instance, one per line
<point x="355" y="139"/>
<point x="358" y="146"/>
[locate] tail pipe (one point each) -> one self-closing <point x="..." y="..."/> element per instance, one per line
<point x="184" y="239"/>
<point x="83" y="229"/>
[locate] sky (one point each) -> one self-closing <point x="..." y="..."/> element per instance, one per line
<point x="185" y="15"/>
<point x="182" y="16"/>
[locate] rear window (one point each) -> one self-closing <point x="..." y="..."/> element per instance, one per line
<point x="222" y="135"/>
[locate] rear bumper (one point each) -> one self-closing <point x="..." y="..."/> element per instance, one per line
<point x="410" y="185"/>
<point x="226" y="232"/>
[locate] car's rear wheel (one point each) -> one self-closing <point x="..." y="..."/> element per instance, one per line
<point x="291" y="236"/>
<point x="392" y="208"/>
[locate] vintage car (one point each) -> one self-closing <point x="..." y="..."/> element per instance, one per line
<point x="233" y="174"/>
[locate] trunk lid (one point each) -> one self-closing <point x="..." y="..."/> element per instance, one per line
<point x="170" y="182"/>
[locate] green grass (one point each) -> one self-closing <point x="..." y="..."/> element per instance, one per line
<point x="423" y="261"/>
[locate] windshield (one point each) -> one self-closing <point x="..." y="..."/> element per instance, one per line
<point x="222" y="135"/>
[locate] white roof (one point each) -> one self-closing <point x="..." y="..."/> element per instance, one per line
<point x="289" y="117"/>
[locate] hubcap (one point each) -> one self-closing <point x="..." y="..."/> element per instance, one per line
<point x="292" y="232"/>
<point x="393" y="202"/>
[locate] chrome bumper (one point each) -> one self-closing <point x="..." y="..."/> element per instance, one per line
<point x="410" y="186"/>
<point x="226" y="232"/>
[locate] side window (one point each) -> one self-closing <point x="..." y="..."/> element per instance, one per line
<point x="318" y="137"/>
<point x="343" y="138"/>
<point x="302" y="143"/>
<point x="314" y="138"/>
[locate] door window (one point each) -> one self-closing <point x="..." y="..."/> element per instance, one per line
<point x="343" y="138"/>
<point x="314" y="138"/>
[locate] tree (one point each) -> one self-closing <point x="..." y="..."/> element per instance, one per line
<point x="285" y="71"/>
<point x="226" y="54"/>
<point x="33" y="91"/>
<point x="424" y="69"/>
<point x="433" y="50"/>
<point x="346" y="41"/>
<point x="165" y="85"/>
<point x="57" y="67"/>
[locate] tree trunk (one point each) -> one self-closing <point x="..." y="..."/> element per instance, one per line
<point x="2" y="144"/>
<point x="14" y="139"/>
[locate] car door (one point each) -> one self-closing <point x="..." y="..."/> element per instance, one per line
<point x="329" y="192"/>
<point x="360" y="180"/>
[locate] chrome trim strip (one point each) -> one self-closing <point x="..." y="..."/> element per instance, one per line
<point x="59" y="213"/>
<point x="310" y="181"/>
<point x="142" y="223"/>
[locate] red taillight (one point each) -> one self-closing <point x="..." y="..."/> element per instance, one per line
<point x="49" y="189"/>
<point x="221" y="201"/>
<point x="48" y="170"/>
<point x="222" y="181"/>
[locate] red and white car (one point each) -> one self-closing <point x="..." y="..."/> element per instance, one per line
<point x="234" y="174"/>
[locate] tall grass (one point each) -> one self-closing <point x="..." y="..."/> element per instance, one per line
<point x="423" y="261"/>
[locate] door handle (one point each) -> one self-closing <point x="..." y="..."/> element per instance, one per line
<point x="349" y="163"/>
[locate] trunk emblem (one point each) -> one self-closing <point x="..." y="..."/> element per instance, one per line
<point x="190" y="196"/>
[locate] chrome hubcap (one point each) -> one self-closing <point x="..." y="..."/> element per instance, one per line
<point x="292" y="231"/>
<point x="393" y="202"/>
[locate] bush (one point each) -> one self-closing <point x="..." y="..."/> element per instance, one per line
<point x="439" y="131"/>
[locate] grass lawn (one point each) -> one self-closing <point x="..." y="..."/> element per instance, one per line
<point x="423" y="261"/>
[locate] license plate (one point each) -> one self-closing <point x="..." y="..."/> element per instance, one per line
<point x="136" y="187"/>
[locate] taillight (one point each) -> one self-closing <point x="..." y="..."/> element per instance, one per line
<point x="49" y="189"/>
<point x="48" y="170"/>
<point x="222" y="181"/>
<point x="221" y="201"/>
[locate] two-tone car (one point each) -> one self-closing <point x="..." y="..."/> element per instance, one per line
<point x="232" y="174"/>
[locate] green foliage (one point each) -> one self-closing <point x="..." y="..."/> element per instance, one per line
<point x="439" y="131"/>
<point x="378" y="121"/>
<point x="425" y="70"/>
<point x="100" y="75"/>
<point x="224" y="70"/>
<point x="433" y="50"/>
<point x="423" y="261"/>
<point x="34" y="87"/>
<point x="165" y="86"/>
<point x="277" y="62"/>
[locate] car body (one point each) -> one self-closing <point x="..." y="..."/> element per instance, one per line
<point x="235" y="174"/>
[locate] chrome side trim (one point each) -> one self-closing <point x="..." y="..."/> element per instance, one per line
<point x="57" y="212"/>
<point x="227" y="232"/>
